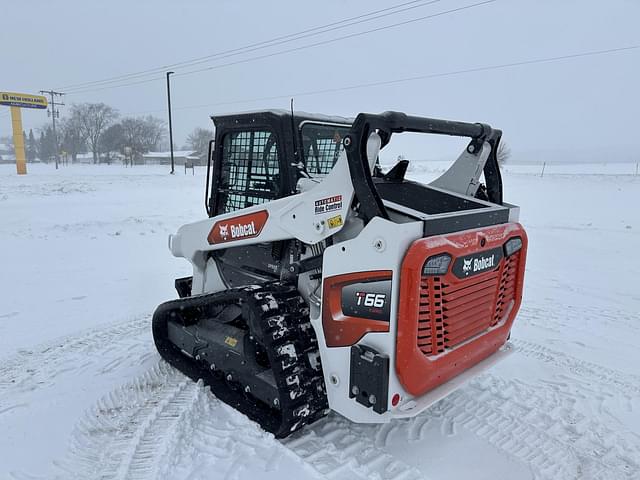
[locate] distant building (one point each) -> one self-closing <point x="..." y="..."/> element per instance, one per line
<point x="86" y="158"/>
<point x="164" y="158"/>
<point x="7" y="155"/>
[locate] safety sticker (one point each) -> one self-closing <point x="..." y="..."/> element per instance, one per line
<point x="329" y="204"/>
<point x="335" y="222"/>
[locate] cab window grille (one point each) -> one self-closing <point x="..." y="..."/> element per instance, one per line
<point x="322" y="145"/>
<point x="250" y="170"/>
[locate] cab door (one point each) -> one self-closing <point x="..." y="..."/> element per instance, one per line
<point x="249" y="174"/>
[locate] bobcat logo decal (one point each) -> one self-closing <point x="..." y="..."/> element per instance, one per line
<point x="466" y="267"/>
<point x="224" y="231"/>
<point x="477" y="263"/>
<point x="242" y="227"/>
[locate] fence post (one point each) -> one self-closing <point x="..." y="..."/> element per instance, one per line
<point x="544" y="164"/>
<point x="637" y="168"/>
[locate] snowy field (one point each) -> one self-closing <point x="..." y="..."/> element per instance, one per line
<point x="84" y="395"/>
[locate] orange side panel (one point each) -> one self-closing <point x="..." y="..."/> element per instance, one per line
<point x="341" y="330"/>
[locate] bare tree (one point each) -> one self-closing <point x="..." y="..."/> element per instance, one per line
<point x="142" y="134"/>
<point x="113" y="140"/>
<point x="504" y="153"/>
<point x="72" y="141"/>
<point x="198" y="140"/>
<point x="92" y="119"/>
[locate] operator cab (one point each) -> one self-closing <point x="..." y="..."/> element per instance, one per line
<point x="261" y="156"/>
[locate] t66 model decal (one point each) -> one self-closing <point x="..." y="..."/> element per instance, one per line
<point x="354" y="304"/>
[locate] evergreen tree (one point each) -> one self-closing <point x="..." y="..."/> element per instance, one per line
<point x="41" y="148"/>
<point x="31" y="147"/>
<point x="46" y="145"/>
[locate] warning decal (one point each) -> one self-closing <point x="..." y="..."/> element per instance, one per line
<point x="328" y="205"/>
<point x="335" y="222"/>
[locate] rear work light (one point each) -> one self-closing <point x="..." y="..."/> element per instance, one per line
<point x="512" y="246"/>
<point x="436" y="265"/>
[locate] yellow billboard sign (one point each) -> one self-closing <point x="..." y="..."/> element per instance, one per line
<point x="22" y="100"/>
<point x="17" y="101"/>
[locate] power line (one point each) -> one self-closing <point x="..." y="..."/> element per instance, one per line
<point x="303" y="47"/>
<point x="344" y="37"/>
<point x="299" y="48"/>
<point x="54" y="112"/>
<point x="450" y="73"/>
<point x="273" y="44"/>
<point x="266" y="43"/>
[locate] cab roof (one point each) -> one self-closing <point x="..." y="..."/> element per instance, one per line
<point x="273" y="116"/>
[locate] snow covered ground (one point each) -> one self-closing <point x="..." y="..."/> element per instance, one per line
<point x="84" y="395"/>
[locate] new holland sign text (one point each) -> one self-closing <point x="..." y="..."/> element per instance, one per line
<point x="22" y="100"/>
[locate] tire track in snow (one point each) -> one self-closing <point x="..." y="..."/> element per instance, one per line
<point x="122" y="436"/>
<point x="628" y="385"/>
<point x="584" y="318"/>
<point x="150" y="440"/>
<point x="217" y="438"/>
<point x="163" y="425"/>
<point x="38" y="367"/>
<point x="535" y="424"/>
<point x="461" y="411"/>
<point x="336" y="450"/>
<point x="541" y="426"/>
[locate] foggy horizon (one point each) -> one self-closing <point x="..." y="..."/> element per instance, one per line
<point x="572" y="104"/>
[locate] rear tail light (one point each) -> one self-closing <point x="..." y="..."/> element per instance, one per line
<point x="512" y="246"/>
<point x="436" y="265"/>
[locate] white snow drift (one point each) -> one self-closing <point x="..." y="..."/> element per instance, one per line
<point x="83" y="393"/>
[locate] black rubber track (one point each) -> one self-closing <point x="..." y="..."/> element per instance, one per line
<point x="288" y="338"/>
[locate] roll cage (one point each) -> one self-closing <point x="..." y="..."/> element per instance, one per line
<point x="284" y="132"/>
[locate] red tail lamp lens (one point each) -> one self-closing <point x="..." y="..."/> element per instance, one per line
<point x="395" y="400"/>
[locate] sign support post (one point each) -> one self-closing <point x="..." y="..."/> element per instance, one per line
<point x="18" y="140"/>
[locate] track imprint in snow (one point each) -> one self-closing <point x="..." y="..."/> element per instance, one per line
<point x="337" y="450"/>
<point x="123" y="434"/>
<point x="38" y="367"/>
<point x="628" y="385"/>
<point x="584" y="318"/>
<point x="163" y="425"/>
<point x="534" y="423"/>
<point x="540" y="425"/>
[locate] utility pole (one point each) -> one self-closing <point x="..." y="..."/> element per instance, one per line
<point x="170" y="127"/>
<point x="53" y="113"/>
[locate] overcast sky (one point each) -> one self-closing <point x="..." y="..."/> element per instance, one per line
<point x="571" y="104"/>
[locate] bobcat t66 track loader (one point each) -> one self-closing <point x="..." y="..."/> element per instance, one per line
<point x="322" y="283"/>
